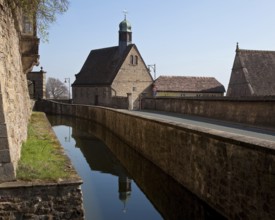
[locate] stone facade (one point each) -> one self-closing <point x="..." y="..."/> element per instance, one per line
<point x="130" y="78"/>
<point x="15" y="104"/>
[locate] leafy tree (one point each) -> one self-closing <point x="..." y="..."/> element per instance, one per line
<point x="44" y="11"/>
<point x="55" y="89"/>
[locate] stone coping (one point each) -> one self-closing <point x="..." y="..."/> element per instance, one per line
<point x="242" y="140"/>
<point x="24" y="184"/>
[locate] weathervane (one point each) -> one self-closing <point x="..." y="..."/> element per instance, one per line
<point x="125" y="12"/>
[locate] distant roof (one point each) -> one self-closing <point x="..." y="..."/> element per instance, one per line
<point x="258" y="68"/>
<point x="101" y="66"/>
<point x="188" y="84"/>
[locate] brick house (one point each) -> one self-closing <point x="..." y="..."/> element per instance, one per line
<point x="113" y="76"/>
<point x="253" y="74"/>
<point x="188" y="86"/>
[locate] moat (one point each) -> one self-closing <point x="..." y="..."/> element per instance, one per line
<point x="118" y="182"/>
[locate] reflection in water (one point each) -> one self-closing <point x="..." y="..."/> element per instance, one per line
<point x="124" y="189"/>
<point x="170" y="199"/>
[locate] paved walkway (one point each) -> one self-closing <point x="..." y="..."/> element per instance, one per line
<point x="210" y="123"/>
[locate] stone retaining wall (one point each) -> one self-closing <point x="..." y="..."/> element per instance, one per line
<point x="257" y="111"/>
<point x="232" y="173"/>
<point x="21" y="200"/>
<point x="15" y="104"/>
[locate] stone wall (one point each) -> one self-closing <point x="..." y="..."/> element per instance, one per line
<point x="38" y="80"/>
<point x="41" y="201"/>
<point x="174" y="201"/>
<point x="234" y="174"/>
<point x="253" y="111"/>
<point x="15" y="105"/>
<point x="133" y="78"/>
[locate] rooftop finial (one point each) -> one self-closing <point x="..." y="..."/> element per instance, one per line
<point x="237" y="47"/>
<point x="125" y="12"/>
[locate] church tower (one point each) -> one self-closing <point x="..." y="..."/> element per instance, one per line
<point x="125" y="35"/>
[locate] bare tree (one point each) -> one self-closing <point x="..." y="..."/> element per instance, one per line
<point x="55" y="89"/>
<point x="43" y="11"/>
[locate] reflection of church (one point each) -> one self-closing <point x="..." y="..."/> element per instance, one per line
<point x="100" y="158"/>
<point x="124" y="189"/>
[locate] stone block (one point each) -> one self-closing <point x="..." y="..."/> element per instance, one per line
<point x="2" y="118"/>
<point x="3" y="131"/>
<point x="7" y="172"/>
<point x="5" y="156"/>
<point x="4" y="144"/>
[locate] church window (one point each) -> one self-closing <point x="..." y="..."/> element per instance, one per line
<point x="134" y="60"/>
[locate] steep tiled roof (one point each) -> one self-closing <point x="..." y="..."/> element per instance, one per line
<point x="188" y="84"/>
<point x="253" y="69"/>
<point x="101" y="66"/>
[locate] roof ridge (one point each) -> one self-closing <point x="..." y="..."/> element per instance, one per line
<point x="266" y="51"/>
<point x="187" y="76"/>
<point x="105" y="48"/>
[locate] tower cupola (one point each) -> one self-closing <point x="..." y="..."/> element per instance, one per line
<point x="125" y="34"/>
<point x="125" y="26"/>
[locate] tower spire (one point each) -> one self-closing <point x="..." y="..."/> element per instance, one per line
<point x="125" y="34"/>
<point x="237" y="47"/>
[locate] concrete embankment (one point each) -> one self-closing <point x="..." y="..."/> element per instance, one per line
<point x="232" y="173"/>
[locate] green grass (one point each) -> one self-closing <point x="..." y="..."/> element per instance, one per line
<point x="42" y="157"/>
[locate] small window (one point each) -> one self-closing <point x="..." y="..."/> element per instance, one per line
<point x="134" y="60"/>
<point x="27" y="25"/>
<point x="134" y="89"/>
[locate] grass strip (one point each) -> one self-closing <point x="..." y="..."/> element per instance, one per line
<point x="42" y="157"/>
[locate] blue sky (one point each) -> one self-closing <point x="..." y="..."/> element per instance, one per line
<point x="182" y="37"/>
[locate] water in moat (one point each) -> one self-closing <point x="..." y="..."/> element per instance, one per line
<point x="118" y="183"/>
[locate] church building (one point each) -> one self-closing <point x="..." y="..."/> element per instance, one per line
<point x="114" y="76"/>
